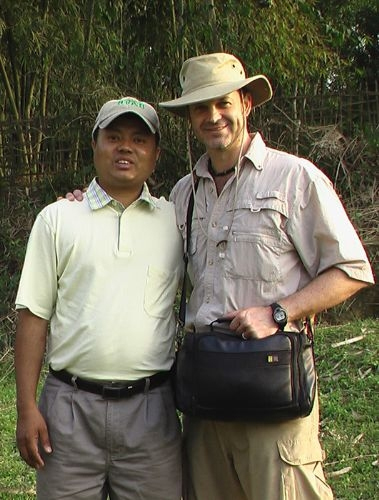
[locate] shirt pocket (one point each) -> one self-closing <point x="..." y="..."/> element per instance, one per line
<point x="258" y="240"/>
<point x="160" y="291"/>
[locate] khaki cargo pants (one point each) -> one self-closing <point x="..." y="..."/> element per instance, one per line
<point x="254" y="461"/>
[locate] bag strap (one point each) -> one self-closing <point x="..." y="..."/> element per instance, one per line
<point x="310" y="327"/>
<point x="191" y="201"/>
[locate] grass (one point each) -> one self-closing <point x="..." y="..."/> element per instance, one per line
<point x="349" y="396"/>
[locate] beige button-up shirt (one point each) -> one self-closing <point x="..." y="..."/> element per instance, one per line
<point x="271" y="230"/>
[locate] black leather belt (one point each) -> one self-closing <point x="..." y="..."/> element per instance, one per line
<point x="112" y="390"/>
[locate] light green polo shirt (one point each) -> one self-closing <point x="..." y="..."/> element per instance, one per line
<point x="106" y="277"/>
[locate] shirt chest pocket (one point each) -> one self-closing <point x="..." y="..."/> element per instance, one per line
<point x="266" y="214"/>
<point x="257" y="238"/>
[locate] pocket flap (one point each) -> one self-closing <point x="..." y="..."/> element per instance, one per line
<point x="298" y="452"/>
<point x="269" y="200"/>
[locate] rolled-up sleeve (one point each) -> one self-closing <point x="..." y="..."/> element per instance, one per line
<point x="324" y="235"/>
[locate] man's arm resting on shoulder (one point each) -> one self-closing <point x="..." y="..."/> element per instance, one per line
<point x="325" y="291"/>
<point x="30" y="346"/>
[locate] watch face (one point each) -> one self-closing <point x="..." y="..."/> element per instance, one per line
<point x="280" y="315"/>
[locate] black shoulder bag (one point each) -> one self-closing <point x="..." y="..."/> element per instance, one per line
<point x="221" y="376"/>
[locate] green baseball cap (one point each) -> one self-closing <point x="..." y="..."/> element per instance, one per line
<point x="117" y="107"/>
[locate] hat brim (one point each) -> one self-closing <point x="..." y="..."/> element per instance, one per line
<point x="258" y="86"/>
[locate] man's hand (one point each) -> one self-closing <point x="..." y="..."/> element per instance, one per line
<point x="253" y="322"/>
<point x="77" y="195"/>
<point x="32" y="431"/>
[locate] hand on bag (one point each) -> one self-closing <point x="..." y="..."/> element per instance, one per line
<point x="253" y="322"/>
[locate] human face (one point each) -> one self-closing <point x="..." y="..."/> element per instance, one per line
<point x="125" y="154"/>
<point x="219" y="123"/>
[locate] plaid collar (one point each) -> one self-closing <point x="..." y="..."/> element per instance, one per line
<point x="98" y="198"/>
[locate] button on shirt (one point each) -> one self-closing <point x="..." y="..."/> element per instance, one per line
<point x="106" y="277"/>
<point x="271" y="230"/>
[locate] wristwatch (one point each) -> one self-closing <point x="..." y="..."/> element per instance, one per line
<point x="279" y="315"/>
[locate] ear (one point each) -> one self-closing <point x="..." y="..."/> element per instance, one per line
<point x="93" y="144"/>
<point x="247" y="103"/>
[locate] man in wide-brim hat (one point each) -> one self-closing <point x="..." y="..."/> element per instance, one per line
<point x="266" y="253"/>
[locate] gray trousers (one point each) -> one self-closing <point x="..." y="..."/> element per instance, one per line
<point x="127" y="449"/>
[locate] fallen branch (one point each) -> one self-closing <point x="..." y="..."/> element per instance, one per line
<point x="363" y="374"/>
<point x="349" y="341"/>
<point x="358" y="457"/>
<point x="339" y="472"/>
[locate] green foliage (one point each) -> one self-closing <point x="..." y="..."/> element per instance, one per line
<point x="16" y="220"/>
<point x="352" y="32"/>
<point x="137" y="48"/>
<point x="282" y="41"/>
<point x="35" y="41"/>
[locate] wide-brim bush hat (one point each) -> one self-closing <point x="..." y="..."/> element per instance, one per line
<point x="117" y="107"/>
<point x="210" y="76"/>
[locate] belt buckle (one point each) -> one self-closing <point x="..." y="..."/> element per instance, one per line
<point x="112" y="391"/>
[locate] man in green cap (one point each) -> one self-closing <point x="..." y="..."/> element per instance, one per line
<point x="103" y="275"/>
<point x="269" y="236"/>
